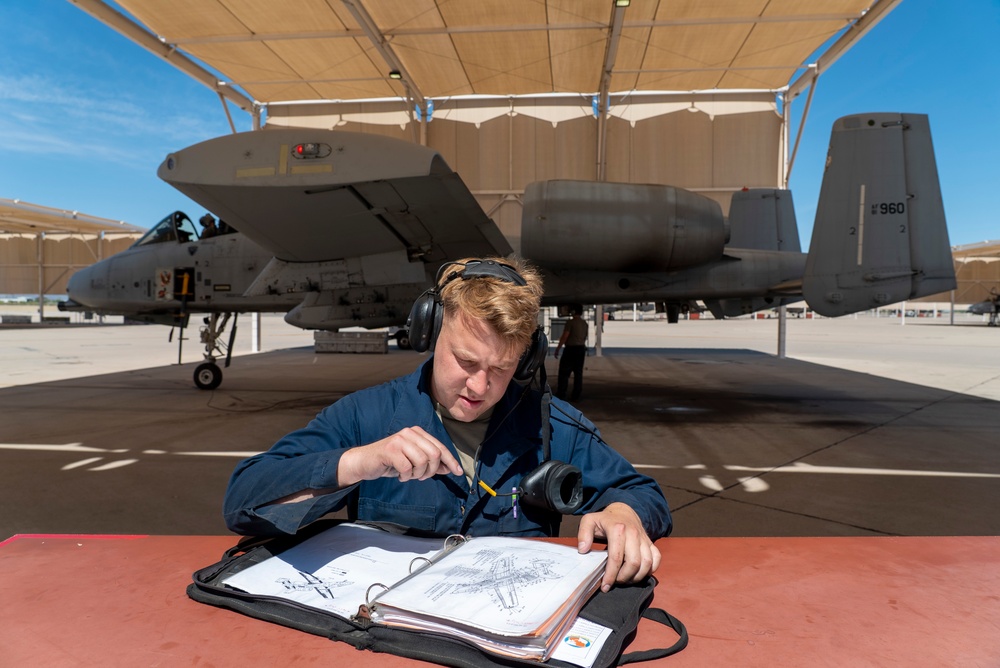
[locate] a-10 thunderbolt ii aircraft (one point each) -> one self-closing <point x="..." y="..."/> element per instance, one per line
<point x="343" y="229"/>
<point x="990" y="307"/>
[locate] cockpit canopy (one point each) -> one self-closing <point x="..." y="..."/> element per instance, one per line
<point x="176" y="228"/>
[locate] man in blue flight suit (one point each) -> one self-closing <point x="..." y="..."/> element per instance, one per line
<point x="427" y="450"/>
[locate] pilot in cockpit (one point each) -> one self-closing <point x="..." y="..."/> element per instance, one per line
<point x="208" y="228"/>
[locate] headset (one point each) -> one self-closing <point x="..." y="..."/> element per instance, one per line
<point x="424" y="323"/>
<point x="554" y="485"/>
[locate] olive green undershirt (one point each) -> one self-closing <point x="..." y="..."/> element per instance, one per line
<point x="467" y="436"/>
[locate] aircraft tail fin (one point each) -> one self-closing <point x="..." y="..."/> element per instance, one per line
<point x="880" y="235"/>
<point x="763" y="219"/>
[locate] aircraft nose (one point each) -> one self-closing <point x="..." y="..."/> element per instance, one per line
<point x="83" y="284"/>
<point x="75" y="283"/>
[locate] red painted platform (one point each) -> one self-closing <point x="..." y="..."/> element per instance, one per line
<point x="915" y="601"/>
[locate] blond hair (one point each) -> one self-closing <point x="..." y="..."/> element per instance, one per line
<point x="511" y="310"/>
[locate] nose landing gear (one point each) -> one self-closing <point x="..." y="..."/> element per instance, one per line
<point x="208" y="375"/>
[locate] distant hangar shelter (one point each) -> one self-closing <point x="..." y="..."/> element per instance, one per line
<point x="977" y="271"/>
<point x="41" y="247"/>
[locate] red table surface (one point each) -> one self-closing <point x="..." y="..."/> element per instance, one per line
<point x="871" y="601"/>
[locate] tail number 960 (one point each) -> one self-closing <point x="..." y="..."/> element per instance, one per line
<point x="888" y="208"/>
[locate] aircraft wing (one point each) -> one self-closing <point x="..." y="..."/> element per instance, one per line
<point x="316" y="195"/>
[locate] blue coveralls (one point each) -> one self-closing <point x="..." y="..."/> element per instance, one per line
<point x="444" y="505"/>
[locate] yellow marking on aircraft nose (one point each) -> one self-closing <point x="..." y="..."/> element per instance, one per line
<point x="312" y="169"/>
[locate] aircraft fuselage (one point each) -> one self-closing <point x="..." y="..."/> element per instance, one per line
<point x="740" y="273"/>
<point x="168" y="273"/>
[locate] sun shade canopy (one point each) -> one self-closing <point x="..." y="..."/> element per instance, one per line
<point x="262" y="52"/>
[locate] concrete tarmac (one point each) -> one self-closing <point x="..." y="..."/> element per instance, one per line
<point x="867" y="427"/>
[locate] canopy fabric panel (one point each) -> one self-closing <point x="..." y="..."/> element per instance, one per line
<point x="19" y="217"/>
<point x="978" y="252"/>
<point x="345" y="49"/>
<point x="30" y="264"/>
<point x="41" y="246"/>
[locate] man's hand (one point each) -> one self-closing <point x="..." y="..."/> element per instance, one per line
<point x="409" y="454"/>
<point x="631" y="554"/>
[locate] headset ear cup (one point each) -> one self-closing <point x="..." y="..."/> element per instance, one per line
<point x="533" y="357"/>
<point x="424" y="322"/>
<point x="553" y="486"/>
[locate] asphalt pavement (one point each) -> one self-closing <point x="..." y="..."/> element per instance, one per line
<point x="868" y="426"/>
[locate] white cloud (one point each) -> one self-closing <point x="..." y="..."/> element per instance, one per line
<point x="37" y="142"/>
<point x="38" y="113"/>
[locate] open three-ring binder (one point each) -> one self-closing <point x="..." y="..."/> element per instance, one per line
<point x="461" y="602"/>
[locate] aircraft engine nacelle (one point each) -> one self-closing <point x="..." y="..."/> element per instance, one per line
<point x="619" y="226"/>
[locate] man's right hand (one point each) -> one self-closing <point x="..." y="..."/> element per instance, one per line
<point x="409" y="454"/>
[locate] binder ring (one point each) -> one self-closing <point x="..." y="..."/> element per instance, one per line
<point x="368" y="592"/>
<point x="457" y="538"/>
<point x="429" y="562"/>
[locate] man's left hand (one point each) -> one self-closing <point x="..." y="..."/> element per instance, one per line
<point x="631" y="554"/>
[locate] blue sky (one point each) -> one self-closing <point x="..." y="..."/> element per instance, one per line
<point x="86" y="116"/>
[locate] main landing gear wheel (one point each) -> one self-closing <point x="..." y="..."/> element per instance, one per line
<point x="208" y="376"/>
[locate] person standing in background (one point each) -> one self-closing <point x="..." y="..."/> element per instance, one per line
<point x="574" y="339"/>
